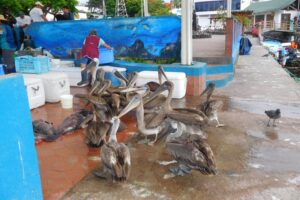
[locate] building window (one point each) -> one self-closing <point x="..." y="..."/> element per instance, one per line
<point x="216" y="5"/>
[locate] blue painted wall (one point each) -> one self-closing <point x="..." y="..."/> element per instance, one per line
<point x="148" y="37"/>
<point x="19" y="172"/>
<point x="236" y="37"/>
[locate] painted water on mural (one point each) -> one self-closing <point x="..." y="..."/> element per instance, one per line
<point x="147" y="37"/>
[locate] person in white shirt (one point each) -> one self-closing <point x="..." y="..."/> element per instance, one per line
<point x="23" y="21"/>
<point x="36" y="13"/>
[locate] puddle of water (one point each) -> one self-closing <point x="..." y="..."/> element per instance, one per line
<point x="275" y="134"/>
<point x="288" y="110"/>
<point x="276" y="158"/>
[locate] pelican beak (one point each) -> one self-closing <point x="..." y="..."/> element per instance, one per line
<point x="158" y="91"/>
<point x="95" y="86"/>
<point x="143" y="88"/>
<point x="133" y="80"/>
<point x="161" y="71"/>
<point x="134" y="102"/>
<point x="120" y="76"/>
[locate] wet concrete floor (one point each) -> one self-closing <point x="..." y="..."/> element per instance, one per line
<point x="253" y="161"/>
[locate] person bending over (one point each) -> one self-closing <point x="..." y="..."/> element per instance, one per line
<point x="90" y="56"/>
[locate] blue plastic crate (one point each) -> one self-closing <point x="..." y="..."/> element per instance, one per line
<point x="106" y="56"/>
<point x="32" y="65"/>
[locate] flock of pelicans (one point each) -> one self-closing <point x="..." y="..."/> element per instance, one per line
<point x="180" y="128"/>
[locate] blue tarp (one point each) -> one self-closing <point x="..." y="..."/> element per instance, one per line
<point x="245" y="46"/>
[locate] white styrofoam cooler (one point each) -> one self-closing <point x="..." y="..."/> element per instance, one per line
<point x="35" y="92"/>
<point x="178" y="78"/>
<point x="73" y="73"/>
<point x="55" y="85"/>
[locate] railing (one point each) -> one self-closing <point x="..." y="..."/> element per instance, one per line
<point x="285" y="26"/>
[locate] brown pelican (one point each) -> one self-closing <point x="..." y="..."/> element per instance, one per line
<point x="208" y="91"/>
<point x="184" y="115"/>
<point x="73" y="122"/>
<point x="210" y="106"/>
<point x="137" y="101"/>
<point x="44" y="130"/>
<point x="116" y="156"/>
<point x="96" y="132"/>
<point x="154" y="85"/>
<point x="121" y="78"/>
<point x="210" y="109"/>
<point x="192" y="153"/>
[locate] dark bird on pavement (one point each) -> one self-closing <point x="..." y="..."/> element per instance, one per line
<point x="44" y="130"/>
<point x="74" y="121"/>
<point x="273" y="114"/>
<point x="266" y="55"/>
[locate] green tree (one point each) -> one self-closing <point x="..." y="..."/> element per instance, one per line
<point x="51" y="6"/>
<point x="157" y="8"/>
<point x="133" y="8"/>
<point x="94" y="4"/>
<point x="177" y="3"/>
<point x="110" y="7"/>
<point x="221" y="16"/>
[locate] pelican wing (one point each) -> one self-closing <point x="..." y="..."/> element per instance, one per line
<point x="187" y="117"/>
<point x="192" y="153"/>
<point x="156" y="120"/>
<point x="109" y="157"/>
<point x="124" y="160"/>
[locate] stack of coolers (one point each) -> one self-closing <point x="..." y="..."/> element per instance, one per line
<point x="41" y="85"/>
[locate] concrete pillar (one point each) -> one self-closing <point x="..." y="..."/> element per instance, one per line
<point x="229" y="3"/>
<point x="186" y="32"/>
<point x="254" y="20"/>
<point x="229" y="37"/>
<point x="146" y="12"/>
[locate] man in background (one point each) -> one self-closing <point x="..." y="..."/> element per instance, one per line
<point x="23" y="21"/>
<point x="67" y="15"/>
<point x="37" y="14"/>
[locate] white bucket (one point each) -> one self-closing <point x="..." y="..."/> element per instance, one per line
<point x="66" y="101"/>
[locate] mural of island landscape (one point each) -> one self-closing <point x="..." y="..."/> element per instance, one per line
<point x="148" y="38"/>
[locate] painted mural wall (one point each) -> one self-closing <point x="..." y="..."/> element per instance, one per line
<point x="147" y="37"/>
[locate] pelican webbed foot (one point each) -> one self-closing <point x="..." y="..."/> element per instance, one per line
<point x="220" y="125"/>
<point x="101" y="174"/>
<point x="181" y="170"/>
<point x="169" y="175"/>
<point x="165" y="163"/>
<point x="147" y="141"/>
<point x="144" y="141"/>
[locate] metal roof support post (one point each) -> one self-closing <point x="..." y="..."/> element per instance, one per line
<point x="186" y="32"/>
<point x="265" y="22"/>
<point x="229" y="2"/>
<point x="146" y="12"/>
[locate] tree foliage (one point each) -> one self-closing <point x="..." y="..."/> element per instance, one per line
<point x="133" y="7"/>
<point x="15" y="6"/>
<point x="177" y="3"/>
<point x="94" y="5"/>
<point x="157" y="8"/>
